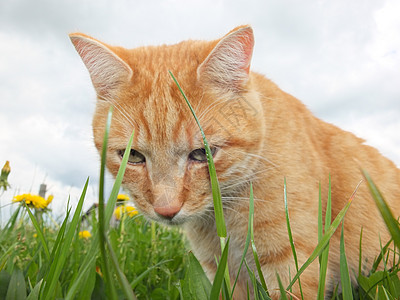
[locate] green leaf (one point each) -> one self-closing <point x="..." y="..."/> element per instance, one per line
<point x="99" y="292"/>
<point x="384" y="209"/>
<point x="5" y="278"/>
<point x="16" y="287"/>
<point x="196" y="282"/>
<point x="344" y="270"/>
<point x="219" y="275"/>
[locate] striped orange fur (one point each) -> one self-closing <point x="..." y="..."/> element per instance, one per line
<point x="258" y="133"/>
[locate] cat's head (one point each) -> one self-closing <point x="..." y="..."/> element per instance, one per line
<point x="167" y="174"/>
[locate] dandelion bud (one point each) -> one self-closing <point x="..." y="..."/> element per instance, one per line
<point x="4" y="176"/>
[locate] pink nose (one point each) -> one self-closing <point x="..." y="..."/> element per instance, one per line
<point x="167" y="211"/>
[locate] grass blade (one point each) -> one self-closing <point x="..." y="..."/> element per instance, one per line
<point x="248" y="236"/>
<point x="384" y="209"/>
<point x="88" y="263"/>
<point x="57" y="265"/>
<point x="39" y="232"/>
<point x="253" y="247"/>
<point x="219" y="275"/>
<point x="118" y="181"/>
<point x="290" y="236"/>
<point x="360" y="253"/>
<point x="323" y="258"/>
<point x="219" y="214"/>
<point x="344" y="270"/>
<point x="102" y="231"/>
<point x="281" y="288"/>
<point x="126" y="288"/>
<point x="324" y="241"/>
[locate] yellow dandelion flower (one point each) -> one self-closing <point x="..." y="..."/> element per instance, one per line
<point x="118" y="212"/>
<point x="33" y="200"/>
<point x="122" y="209"/>
<point x="131" y="211"/>
<point x="85" y="234"/>
<point x="122" y="197"/>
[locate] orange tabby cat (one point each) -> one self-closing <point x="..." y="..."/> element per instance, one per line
<point x="257" y="133"/>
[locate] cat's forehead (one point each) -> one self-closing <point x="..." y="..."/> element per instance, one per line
<point x="181" y="56"/>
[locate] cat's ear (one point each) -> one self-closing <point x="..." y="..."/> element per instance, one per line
<point x="107" y="70"/>
<point x="228" y="64"/>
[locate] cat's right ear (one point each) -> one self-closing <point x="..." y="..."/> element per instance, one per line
<point x="227" y="67"/>
<point x="107" y="70"/>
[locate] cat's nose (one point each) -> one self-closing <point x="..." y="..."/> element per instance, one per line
<point x="167" y="212"/>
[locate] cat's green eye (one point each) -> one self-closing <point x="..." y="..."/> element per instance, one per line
<point x="135" y="157"/>
<point x="199" y="155"/>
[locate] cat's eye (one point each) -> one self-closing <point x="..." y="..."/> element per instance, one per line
<point x="199" y="155"/>
<point x="135" y="157"/>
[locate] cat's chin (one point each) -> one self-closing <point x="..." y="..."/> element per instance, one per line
<point x="175" y="221"/>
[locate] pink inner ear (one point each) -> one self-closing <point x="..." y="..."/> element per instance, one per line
<point x="228" y="64"/>
<point x="247" y="41"/>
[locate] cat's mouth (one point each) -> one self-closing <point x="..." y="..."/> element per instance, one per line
<point x="170" y="220"/>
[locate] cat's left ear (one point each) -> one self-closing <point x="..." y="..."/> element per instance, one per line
<point x="107" y="70"/>
<point x="227" y="67"/>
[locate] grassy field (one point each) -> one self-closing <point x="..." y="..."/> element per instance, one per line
<point x="154" y="261"/>
<point x="98" y="256"/>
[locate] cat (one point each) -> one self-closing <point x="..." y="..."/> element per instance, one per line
<point x="257" y="133"/>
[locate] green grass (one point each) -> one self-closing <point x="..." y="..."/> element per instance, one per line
<point x="138" y="259"/>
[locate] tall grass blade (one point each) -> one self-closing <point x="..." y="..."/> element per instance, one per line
<point x="248" y="236"/>
<point x="126" y="288"/>
<point x="290" y="235"/>
<point x="384" y="209"/>
<point x="324" y="241"/>
<point x="255" y="255"/>
<point x="89" y="261"/>
<point x="323" y="258"/>
<point x="320" y="224"/>
<point x="344" y="270"/>
<point x="117" y="182"/>
<point x="219" y="275"/>
<point x="102" y="231"/>
<point x="39" y="232"/>
<point x="281" y="288"/>
<point x="219" y="214"/>
<point x="138" y="279"/>
<point x="360" y="253"/>
<point x="64" y="244"/>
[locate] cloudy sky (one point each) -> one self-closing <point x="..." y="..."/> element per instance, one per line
<point x="341" y="58"/>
